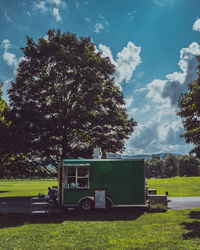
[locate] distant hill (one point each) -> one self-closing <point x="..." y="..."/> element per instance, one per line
<point x="147" y="157"/>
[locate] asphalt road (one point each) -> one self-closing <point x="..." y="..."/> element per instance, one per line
<point x="23" y="205"/>
<point x="183" y="202"/>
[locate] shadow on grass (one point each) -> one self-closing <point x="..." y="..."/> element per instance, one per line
<point x="114" y="214"/>
<point x="4" y="191"/>
<point x="192" y="227"/>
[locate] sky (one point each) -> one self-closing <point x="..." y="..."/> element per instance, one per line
<point x="152" y="43"/>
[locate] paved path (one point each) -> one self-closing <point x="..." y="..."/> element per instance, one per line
<point x="15" y="205"/>
<point x="183" y="202"/>
<point x="22" y="205"/>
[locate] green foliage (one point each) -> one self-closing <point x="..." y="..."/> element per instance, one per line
<point x="171" y="165"/>
<point x="64" y="101"/>
<point x="189" y="110"/>
<point x="118" y="229"/>
<point x="4" y="124"/>
<point x="13" y="165"/>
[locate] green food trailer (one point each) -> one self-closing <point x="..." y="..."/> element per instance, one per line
<point x="122" y="179"/>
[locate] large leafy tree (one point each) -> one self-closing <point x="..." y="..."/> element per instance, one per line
<point x="64" y="100"/>
<point x="189" y="110"/>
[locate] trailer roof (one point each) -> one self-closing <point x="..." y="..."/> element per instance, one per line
<point x="68" y="161"/>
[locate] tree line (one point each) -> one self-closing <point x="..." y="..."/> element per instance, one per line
<point x="171" y="166"/>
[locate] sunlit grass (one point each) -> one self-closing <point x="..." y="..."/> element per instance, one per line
<point x="25" y="187"/>
<point x="177" y="186"/>
<point x="178" y="229"/>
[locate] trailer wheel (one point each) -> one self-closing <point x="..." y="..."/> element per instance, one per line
<point x="86" y="205"/>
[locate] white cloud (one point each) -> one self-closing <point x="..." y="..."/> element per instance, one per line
<point x="41" y="6"/>
<point x="132" y="111"/>
<point x="9" y="57"/>
<point x="51" y="7"/>
<point x="196" y="25"/>
<point x="98" y="27"/>
<point x="156" y="136"/>
<point x="101" y="24"/>
<point x="56" y="2"/>
<point x="56" y="14"/>
<point x="106" y="52"/>
<point x="155" y="89"/>
<point x="162" y="91"/>
<point x="146" y="109"/>
<point x="140" y="90"/>
<point x="162" y="132"/>
<point x="129" y="101"/>
<point x="88" y="19"/>
<point x="126" y="62"/>
<point x="131" y="16"/>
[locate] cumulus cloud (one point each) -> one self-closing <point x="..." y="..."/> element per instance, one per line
<point x="161" y="91"/>
<point x="155" y="90"/>
<point x="156" y="136"/>
<point x="196" y="25"/>
<point x="9" y="57"/>
<point x="129" y="101"/>
<point x="126" y="61"/>
<point x="106" y="52"/>
<point x="56" y="14"/>
<point x="162" y="132"/>
<point x="51" y="7"/>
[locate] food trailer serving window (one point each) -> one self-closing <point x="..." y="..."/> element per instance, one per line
<point x="76" y="177"/>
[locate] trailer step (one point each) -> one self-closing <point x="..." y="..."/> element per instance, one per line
<point x="40" y="212"/>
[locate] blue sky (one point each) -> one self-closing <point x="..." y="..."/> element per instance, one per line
<point x="153" y="44"/>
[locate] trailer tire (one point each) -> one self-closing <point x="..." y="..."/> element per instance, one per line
<point x="86" y="205"/>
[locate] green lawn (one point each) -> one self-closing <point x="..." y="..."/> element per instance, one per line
<point x="117" y="229"/>
<point x="25" y="187"/>
<point x="177" y="187"/>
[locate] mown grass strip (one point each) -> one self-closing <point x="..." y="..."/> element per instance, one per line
<point x="103" y="230"/>
<point x="25" y="188"/>
<point x="177" y="186"/>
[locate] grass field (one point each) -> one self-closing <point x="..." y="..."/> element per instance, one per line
<point x="177" y="186"/>
<point x="125" y="228"/>
<point x="118" y="229"/>
<point x="25" y="187"/>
